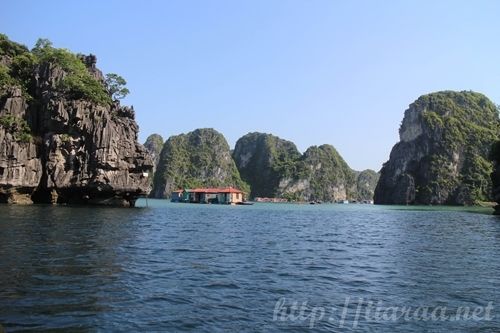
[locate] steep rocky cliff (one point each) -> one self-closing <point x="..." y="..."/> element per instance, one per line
<point x="442" y="156"/>
<point x="196" y="159"/>
<point x="495" y="175"/>
<point x="263" y="160"/>
<point x="320" y="174"/>
<point x="274" y="168"/>
<point x="366" y="181"/>
<point x="62" y="137"/>
<point x="154" y="145"/>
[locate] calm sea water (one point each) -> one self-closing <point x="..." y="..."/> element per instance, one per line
<point x="262" y="268"/>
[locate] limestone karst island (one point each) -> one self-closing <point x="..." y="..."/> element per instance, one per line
<point x="66" y="139"/>
<point x="250" y="166"/>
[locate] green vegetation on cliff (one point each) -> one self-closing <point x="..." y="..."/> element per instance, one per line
<point x="78" y="82"/>
<point x="19" y="63"/>
<point x="116" y="86"/>
<point x="263" y="160"/>
<point x="154" y="144"/>
<point x="274" y="168"/>
<point x="469" y="124"/>
<point x="16" y="64"/>
<point x="84" y="147"/>
<point x="366" y="181"/>
<point x="495" y="175"/>
<point x="196" y="159"/>
<point x="18" y="127"/>
<point x="447" y="163"/>
<point x="6" y="80"/>
<point x="320" y="174"/>
<point x="10" y="48"/>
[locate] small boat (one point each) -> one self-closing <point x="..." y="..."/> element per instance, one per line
<point x="245" y="203"/>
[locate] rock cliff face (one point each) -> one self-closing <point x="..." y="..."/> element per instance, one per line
<point x="201" y="158"/>
<point x="320" y="174"/>
<point x="62" y="138"/>
<point x="154" y="144"/>
<point x="274" y="168"/>
<point x="263" y="160"/>
<point x="366" y="181"/>
<point x="442" y="156"/>
<point x="495" y="175"/>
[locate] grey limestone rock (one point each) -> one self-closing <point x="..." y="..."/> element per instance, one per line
<point x="78" y="151"/>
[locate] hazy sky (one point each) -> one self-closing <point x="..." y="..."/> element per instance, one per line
<point x="310" y="71"/>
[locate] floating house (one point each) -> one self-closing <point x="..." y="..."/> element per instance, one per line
<point x="220" y="195"/>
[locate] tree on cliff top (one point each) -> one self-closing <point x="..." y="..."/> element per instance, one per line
<point x="78" y="81"/>
<point x="116" y="86"/>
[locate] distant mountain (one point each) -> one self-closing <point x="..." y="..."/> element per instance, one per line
<point x="442" y="155"/>
<point x="154" y="145"/>
<point x="196" y="159"/>
<point x="320" y="174"/>
<point x="263" y="160"/>
<point x="366" y="181"/>
<point x="275" y="168"/>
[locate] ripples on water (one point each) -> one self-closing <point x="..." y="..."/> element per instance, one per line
<point x="180" y="267"/>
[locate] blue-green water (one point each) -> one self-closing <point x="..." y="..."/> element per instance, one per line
<point x="209" y="268"/>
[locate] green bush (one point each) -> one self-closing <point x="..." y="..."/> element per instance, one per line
<point x="78" y="82"/>
<point x="17" y="126"/>
<point x="82" y="85"/>
<point x="10" y="48"/>
<point x="495" y="152"/>
<point x="432" y="119"/>
<point x="22" y="68"/>
<point x="6" y="80"/>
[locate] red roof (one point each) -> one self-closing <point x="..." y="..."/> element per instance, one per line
<point x="214" y="190"/>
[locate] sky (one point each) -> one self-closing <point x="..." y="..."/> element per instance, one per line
<point x="310" y="71"/>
